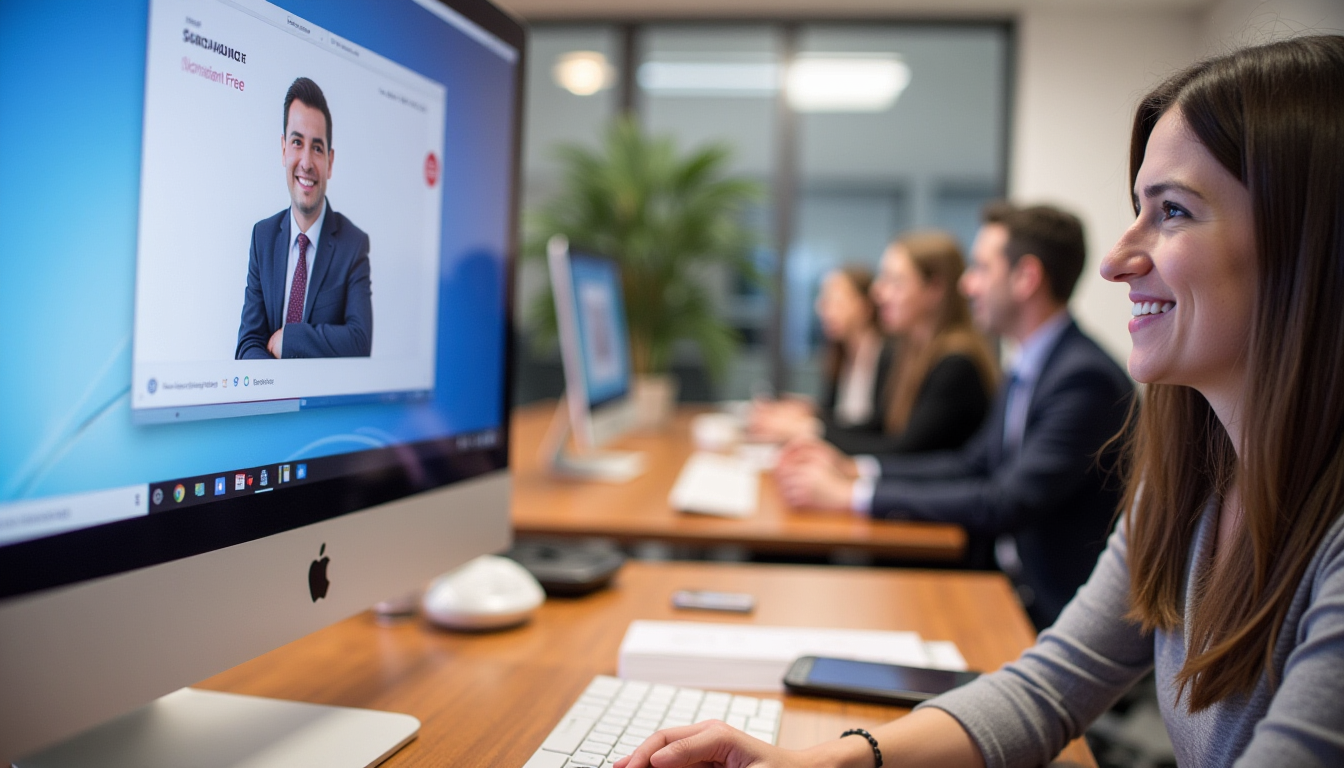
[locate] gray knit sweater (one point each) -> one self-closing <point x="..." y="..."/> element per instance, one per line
<point x="1027" y="711"/>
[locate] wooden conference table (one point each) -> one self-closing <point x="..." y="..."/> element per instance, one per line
<point x="490" y="699"/>
<point x="637" y="510"/>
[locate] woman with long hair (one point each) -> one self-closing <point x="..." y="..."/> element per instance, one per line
<point x="1226" y="571"/>
<point x="937" y="386"/>
<point x="855" y="365"/>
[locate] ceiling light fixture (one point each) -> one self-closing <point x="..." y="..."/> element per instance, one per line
<point x="839" y="83"/>
<point x="583" y="73"/>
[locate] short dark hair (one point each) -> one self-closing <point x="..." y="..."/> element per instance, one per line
<point x="306" y="91"/>
<point x="1054" y="236"/>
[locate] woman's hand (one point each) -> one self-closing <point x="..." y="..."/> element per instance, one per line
<point x="781" y="420"/>
<point x="814" y="483"/>
<point x="710" y="744"/>
<point x="815" y="451"/>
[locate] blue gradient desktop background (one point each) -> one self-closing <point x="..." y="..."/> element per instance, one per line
<point x="71" y="110"/>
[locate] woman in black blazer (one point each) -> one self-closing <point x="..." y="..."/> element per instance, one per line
<point x="939" y="388"/>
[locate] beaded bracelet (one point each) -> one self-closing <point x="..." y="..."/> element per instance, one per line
<point x="872" y="742"/>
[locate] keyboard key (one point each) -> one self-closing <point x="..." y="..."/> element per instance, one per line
<point x="588" y="710"/>
<point x="596" y="747"/>
<point x="743" y="706"/>
<point x="544" y="759"/>
<point x="569" y="734"/>
<point x="605" y="684"/>
<point x="611" y="718"/>
<point x="707" y="712"/>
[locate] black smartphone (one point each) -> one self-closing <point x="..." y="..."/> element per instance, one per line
<point x="870" y="681"/>
<point x="705" y="600"/>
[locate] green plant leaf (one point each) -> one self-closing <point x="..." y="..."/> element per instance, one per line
<point x="666" y="218"/>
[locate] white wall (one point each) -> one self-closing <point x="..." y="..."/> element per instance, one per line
<point x="1079" y="77"/>
<point x="1233" y="23"/>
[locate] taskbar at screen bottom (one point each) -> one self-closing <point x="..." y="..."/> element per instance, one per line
<point x="331" y="486"/>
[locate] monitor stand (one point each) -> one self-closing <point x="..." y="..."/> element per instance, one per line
<point x="606" y="466"/>
<point x="206" y="729"/>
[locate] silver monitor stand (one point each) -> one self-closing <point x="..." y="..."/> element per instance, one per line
<point x="590" y="464"/>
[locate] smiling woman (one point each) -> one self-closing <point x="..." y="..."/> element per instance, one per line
<point x="1187" y="259"/>
<point x="1226" y="573"/>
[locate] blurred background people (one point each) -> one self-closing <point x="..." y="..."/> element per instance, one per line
<point x="935" y="391"/>
<point x="1031" y="488"/>
<point x="857" y="361"/>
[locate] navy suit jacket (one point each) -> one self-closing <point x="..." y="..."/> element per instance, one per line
<point x="1057" y="493"/>
<point x="338" y="313"/>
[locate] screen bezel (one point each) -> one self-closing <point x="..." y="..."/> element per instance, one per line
<point x="71" y="557"/>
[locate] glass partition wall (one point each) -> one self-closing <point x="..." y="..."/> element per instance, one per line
<point x="857" y="132"/>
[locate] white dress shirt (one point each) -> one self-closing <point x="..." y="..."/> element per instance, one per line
<point x="1024" y="371"/>
<point x="854" y="389"/>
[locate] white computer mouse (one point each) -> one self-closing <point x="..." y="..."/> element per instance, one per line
<point x="490" y="592"/>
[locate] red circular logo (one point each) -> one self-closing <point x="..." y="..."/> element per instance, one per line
<point x="431" y="170"/>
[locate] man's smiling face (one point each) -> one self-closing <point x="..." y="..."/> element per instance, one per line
<point x="307" y="161"/>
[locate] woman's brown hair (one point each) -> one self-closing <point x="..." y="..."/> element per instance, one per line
<point x="860" y="278"/>
<point x="1274" y="117"/>
<point x="937" y="258"/>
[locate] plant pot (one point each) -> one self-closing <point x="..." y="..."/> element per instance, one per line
<point x="655" y="400"/>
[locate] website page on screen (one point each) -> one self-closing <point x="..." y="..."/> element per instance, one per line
<point x="145" y="394"/>
<point x="218" y="76"/>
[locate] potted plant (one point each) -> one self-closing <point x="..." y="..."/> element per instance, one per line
<point x="666" y="218"/>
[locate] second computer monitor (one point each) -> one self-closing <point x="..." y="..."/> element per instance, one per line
<point x="595" y="350"/>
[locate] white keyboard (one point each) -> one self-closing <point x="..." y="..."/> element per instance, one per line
<point x="714" y="484"/>
<point x="614" y="716"/>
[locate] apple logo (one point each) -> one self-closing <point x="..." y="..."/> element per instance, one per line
<point x="317" y="576"/>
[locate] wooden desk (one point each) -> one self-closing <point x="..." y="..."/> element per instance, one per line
<point x="638" y="510"/>
<point x="490" y="699"/>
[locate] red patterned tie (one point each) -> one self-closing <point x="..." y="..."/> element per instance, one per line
<point x="295" y="313"/>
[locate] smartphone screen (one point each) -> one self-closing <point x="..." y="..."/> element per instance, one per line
<point x="887" y="677"/>
<point x="871" y="681"/>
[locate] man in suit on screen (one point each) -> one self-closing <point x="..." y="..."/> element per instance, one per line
<point x="308" y="290"/>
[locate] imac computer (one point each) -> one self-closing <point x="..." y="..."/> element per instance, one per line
<point x="257" y="260"/>
<point x="595" y="353"/>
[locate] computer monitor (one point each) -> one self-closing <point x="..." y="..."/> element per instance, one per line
<point x="595" y="352"/>
<point x="217" y="436"/>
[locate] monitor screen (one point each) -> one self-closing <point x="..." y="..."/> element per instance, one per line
<point x="148" y="419"/>
<point x="257" y="261"/>
<point x="599" y="314"/>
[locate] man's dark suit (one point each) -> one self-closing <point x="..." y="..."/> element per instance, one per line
<point x="1052" y="493"/>
<point x="338" y="313"/>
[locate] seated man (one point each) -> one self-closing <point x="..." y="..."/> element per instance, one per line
<point x="1037" y="475"/>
